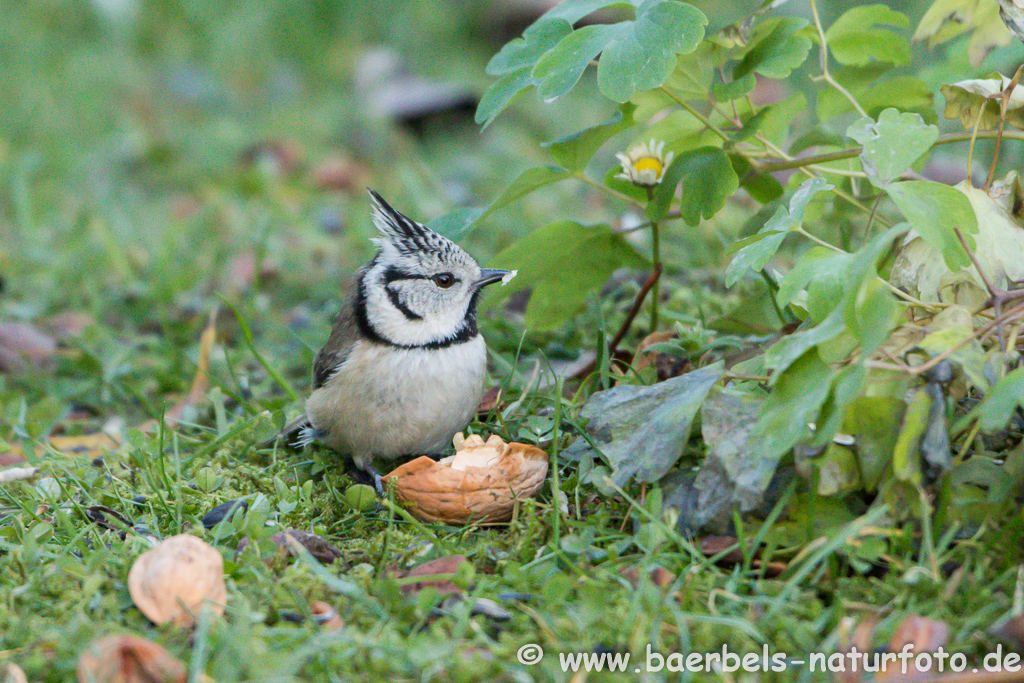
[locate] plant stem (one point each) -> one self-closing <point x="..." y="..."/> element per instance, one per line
<point x="656" y="258"/>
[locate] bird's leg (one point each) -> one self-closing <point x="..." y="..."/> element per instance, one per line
<point x="365" y="475"/>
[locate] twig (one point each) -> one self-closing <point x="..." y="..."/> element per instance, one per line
<point x="1004" y="103"/>
<point x="626" y="324"/>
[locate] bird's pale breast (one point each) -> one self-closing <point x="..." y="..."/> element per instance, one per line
<point x="388" y="402"/>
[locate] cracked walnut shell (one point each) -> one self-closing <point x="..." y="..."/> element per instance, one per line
<point x="177" y="578"/>
<point x="481" y="483"/>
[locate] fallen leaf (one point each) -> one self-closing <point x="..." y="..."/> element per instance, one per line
<point x="728" y="477"/>
<point x="642" y="430"/>
<point x="666" y="365"/>
<point x="659" y="576"/>
<point x="438" y="570"/>
<point x="22" y="346"/>
<point x="68" y="325"/>
<point x="129" y="659"/>
<point x="920" y="634"/>
<point x="322" y="551"/>
<point x="326" y="616"/>
<point x="342" y="174"/>
<point x="176" y="579"/>
<point x="999" y="247"/>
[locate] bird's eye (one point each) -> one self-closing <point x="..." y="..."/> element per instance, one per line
<point x="444" y="280"/>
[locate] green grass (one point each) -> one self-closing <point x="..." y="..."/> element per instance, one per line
<point x="127" y="200"/>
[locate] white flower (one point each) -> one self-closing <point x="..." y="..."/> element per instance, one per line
<point x="645" y="164"/>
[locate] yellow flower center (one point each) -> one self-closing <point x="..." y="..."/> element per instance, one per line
<point x="648" y="164"/>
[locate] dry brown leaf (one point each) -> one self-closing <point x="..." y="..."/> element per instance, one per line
<point x="22" y="346"/>
<point x="176" y="579"/>
<point x="919" y="634"/>
<point x="659" y="576"/>
<point x="129" y="659"/>
<point x="199" y="385"/>
<point x="666" y="365"/>
<point x="341" y="173"/>
<point x="68" y="325"/>
<point x="437" y="570"/>
<point x="326" y="616"/>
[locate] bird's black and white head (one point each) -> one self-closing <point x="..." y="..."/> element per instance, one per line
<point x="421" y="289"/>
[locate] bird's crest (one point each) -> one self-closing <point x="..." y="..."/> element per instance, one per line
<point x="408" y="237"/>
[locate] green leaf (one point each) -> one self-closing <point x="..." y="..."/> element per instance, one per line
<point x="537" y="39"/>
<point x="762" y="186"/>
<point x="892" y="144"/>
<point x="637" y="55"/>
<point x="787" y="350"/>
<point x="641" y="55"/>
<point x="792" y="404"/>
<point x="501" y="92"/>
<point x="906" y="460"/>
<point x="528" y="181"/>
<point x="874" y="422"/>
<point x="561" y="67"/>
<point x="456" y="223"/>
<point x="1006" y="397"/>
<point x="777" y="49"/>
<point x="934" y="210"/>
<point x="706" y="179"/>
<point x="735" y="89"/>
<point x="575" y="151"/>
<point x="515" y="62"/>
<point x="642" y="430"/>
<point x="563" y="263"/>
<point x="816" y="263"/>
<point x="854" y="39"/>
<point x="754" y="253"/>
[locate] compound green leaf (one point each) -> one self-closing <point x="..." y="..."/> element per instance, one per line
<point x="563" y="262"/>
<point x="561" y="67"/>
<point x="777" y="49"/>
<point x="528" y="181"/>
<point x="576" y="150"/>
<point x="641" y="54"/>
<point x="855" y="38"/>
<point x="892" y="144"/>
<point x="934" y="210"/>
<point x="755" y="252"/>
<point x="501" y="92"/>
<point x="537" y="39"/>
<point x="707" y="180"/>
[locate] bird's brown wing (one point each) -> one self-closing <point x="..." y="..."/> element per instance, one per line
<point x="344" y="335"/>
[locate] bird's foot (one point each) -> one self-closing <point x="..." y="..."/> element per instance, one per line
<point x="366" y="475"/>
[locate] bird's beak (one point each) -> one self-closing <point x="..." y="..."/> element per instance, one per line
<point x="488" y="276"/>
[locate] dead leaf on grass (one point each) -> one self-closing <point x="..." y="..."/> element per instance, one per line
<point x="129" y="659"/>
<point x="23" y="345"/>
